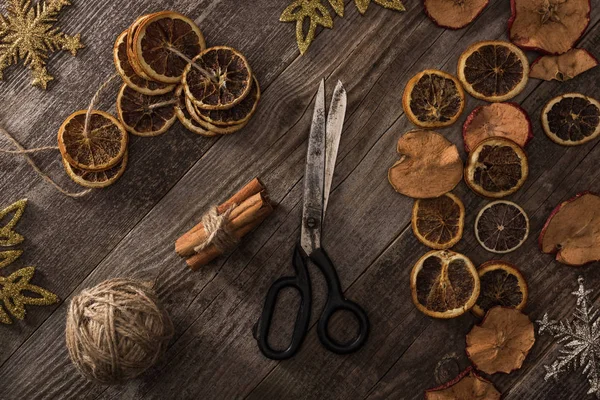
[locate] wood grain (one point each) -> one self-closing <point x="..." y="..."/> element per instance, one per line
<point x="128" y="229"/>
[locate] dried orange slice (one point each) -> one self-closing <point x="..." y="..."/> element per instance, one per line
<point x="501" y="227"/>
<point x="130" y="46"/>
<point x="493" y="70"/>
<point x="433" y="99"/>
<point x="145" y="115"/>
<point x="438" y="223"/>
<point x="97" y="179"/>
<point x="564" y="67"/>
<point x="571" y="119"/>
<point x="238" y="114"/>
<point x="444" y="284"/>
<point x="453" y="14"/>
<point x="497" y="167"/>
<point x="128" y="74"/>
<point x="184" y="116"/>
<point x="218" y="78"/>
<point x="502" y="284"/>
<point x="164" y="43"/>
<point x="100" y="148"/>
<point x="497" y="120"/>
<point x="220" y="129"/>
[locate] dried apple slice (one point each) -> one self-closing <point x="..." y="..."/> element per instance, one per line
<point x="571" y="119"/>
<point x="501" y="342"/>
<point x="430" y="165"/>
<point x="549" y="26"/>
<point x="468" y="385"/>
<point x="573" y="231"/>
<point x="454" y="14"/>
<point x="563" y="67"/>
<point x="497" y="120"/>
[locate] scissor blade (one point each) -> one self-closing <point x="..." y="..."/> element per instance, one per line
<point x="335" y="123"/>
<point x="312" y="208"/>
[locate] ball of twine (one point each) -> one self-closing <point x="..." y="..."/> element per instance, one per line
<point x="116" y="330"/>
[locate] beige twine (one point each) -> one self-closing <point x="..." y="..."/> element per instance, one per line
<point x="116" y="330"/>
<point x="25" y="152"/>
<point x="217" y="232"/>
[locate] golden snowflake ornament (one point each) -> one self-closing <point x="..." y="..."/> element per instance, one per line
<point x="28" y="33"/>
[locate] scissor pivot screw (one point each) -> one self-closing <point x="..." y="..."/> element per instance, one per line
<point x="311" y="222"/>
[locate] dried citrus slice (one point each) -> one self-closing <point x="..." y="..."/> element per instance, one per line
<point x="572" y="231"/>
<point x="100" y="148"/>
<point x="430" y="165"/>
<point x="493" y="70"/>
<point x="219" y="129"/>
<point x="433" y="99"/>
<point x="564" y="67"/>
<point x="236" y="115"/>
<point x="184" y="116"/>
<point x="218" y="78"/>
<point x="145" y="115"/>
<point x="502" y="284"/>
<point x="438" y="223"/>
<point x="164" y="43"/>
<point x="468" y="385"/>
<point x="444" y="284"/>
<point x="501" y="226"/>
<point x="497" y="167"/>
<point x="549" y="26"/>
<point x="571" y="119"/>
<point x="128" y="74"/>
<point x="497" y="120"/>
<point x="131" y="56"/>
<point x="96" y="179"/>
<point x="453" y="14"/>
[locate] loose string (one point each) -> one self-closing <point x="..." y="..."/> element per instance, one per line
<point x="25" y="152"/>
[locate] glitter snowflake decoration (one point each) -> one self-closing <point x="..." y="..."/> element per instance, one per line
<point x="581" y="338"/>
<point x="27" y="33"/>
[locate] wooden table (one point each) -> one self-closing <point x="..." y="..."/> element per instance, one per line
<point x="129" y="229"/>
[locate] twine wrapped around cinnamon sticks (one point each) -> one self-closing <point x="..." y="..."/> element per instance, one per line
<point x="224" y="225"/>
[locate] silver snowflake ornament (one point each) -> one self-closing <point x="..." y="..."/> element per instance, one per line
<point x="581" y="341"/>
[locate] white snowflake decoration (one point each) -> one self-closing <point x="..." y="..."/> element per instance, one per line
<point x="581" y="338"/>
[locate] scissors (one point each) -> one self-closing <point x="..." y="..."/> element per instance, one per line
<point x="323" y="144"/>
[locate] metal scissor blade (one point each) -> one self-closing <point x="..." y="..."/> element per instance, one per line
<point x="312" y="206"/>
<point x="335" y="123"/>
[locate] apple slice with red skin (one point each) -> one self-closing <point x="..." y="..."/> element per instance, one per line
<point x="563" y="67"/>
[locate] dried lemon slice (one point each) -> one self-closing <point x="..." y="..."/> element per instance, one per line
<point x="218" y="78"/>
<point x="444" y="284"/>
<point x="145" y="115"/>
<point x="433" y="99"/>
<point x="185" y="118"/>
<point x="502" y="284"/>
<point x="238" y="114"/>
<point x="100" y="148"/>
<point x="439" y="222"/>
<point x="164" y="43"/>
<point x="128" y="74"/>
<point x="97" y="179"/>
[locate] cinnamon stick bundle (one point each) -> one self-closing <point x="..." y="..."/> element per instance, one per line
<point x="251" y="206"/>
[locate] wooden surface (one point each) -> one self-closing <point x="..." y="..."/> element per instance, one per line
<point x="129" y="229"/>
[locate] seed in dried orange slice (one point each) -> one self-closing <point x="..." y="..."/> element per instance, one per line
<point x="429" y="165"/>
<point x="433" y="99"/>
<point x="564" y="67"/>
<point x="497" y="167"/>
<point x="502" y="284"/>
<point x="164" y="43"/>
<point x="145" y="115"/>
<point x="501" y="226"/>
<point x="493" y="70"/>
<point x="453" y="14"/>
<point x="184" y="116"/>
<point x="497" y="120"/>
<point x="128" y="74"/>
<point x="571" y="119"/>
<point x="219" y="129"/>
<point x="237" y="114"/>
<point x="96" y="179"/>
<point x="439" y="222"/>
<point x="444" y="284"/>
<point x="98" y="148"/>
<point x="218" y="78"/>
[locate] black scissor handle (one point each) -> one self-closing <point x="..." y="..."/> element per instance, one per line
<point x="337" y="302"/>
<point x="300" y="282"/>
